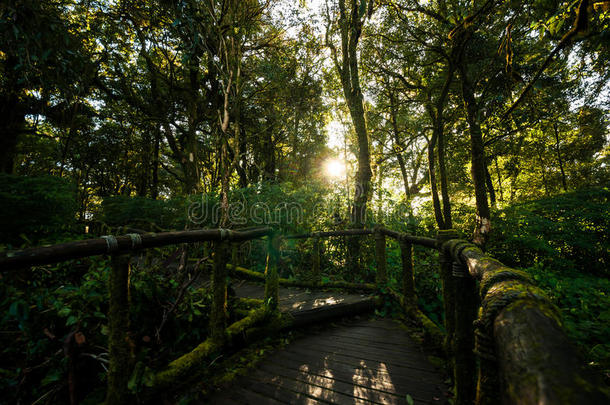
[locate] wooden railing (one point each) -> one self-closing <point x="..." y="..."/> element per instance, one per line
<point x="503" y="337"/>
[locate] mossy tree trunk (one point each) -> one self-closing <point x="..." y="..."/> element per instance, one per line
<point x="350" y="22"/>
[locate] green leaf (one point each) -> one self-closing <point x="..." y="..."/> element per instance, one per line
<point x="65" y="311"/>
<point x="410" y="399"/>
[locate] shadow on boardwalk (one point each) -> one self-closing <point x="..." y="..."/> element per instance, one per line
<point x="364" y="361"/>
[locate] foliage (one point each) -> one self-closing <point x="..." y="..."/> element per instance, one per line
<point x="567" y="232"/>
<point x="143" y="213"/>
<point x="33" y="208"/>
<point x="585" y="303"/>
<point x="43" y="314"/>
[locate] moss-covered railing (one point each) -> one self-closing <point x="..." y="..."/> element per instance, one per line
<point x="120" y="248"/>
<point x="504" y="338"/>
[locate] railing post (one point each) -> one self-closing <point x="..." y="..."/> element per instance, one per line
<point x="316" y="273"/>
<point x="447" y="284"/>
<point x="234" y="256"/>
<point x="382" y="274"/>
<point x="271" y="276"/>
<point x="119" y="348"/>
<point x="466" y="304"/>
<point x="408" y="282"/>
<point x="218" y="316"/>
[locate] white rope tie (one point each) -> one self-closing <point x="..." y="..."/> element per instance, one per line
<point x="112" y="245"/>
<point x="224" y="234"/>
<point x="136" y="240"/>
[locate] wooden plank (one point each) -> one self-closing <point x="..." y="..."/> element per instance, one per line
<point x="357" y="378"/>
<point x="351" y="365"/>
<point x="311" y="390"/>
<point x="275" y="389"/>
<point x="365" y="361"/>
<point x="314" y="382"/>
<point x="327" y="312"/>
<point x="403" y="357"/>
<point x="243" y="396"/>
<point x="389" y="339"/>
<point x="352" y="359"/>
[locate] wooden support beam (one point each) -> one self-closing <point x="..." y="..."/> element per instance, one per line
<point x="466" y="305"/>
<point x="408" y="281"/>
<point x="218" y="316"/>
<point x="380" y="257"/>
<point x="271" y="274"/>
<point x="316" y="273"/>
<point x="346" y="232"/>
<point x="447" y="284"/>
<point x="119" y="348"/>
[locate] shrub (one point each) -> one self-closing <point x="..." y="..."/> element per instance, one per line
<point x="564" y="232"/>
<point x="142" y="212"/>
<point x="33" y="208"/>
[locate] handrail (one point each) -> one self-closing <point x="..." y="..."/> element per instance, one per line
<point x="119" y="245"/>
<point x="525" y="356"/>
<point x="400" y="236"/>
<point x="325" y="234"/>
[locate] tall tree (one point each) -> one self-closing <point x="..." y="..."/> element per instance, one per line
<point x="352" y="15"/>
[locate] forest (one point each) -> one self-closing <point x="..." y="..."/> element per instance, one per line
<point x="490" y="118"/>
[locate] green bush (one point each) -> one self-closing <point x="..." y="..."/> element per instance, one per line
<point x="43" y="307"/>
<point x="584" y="300"/>
<point x="34" y="208"/>
<point x="564" y="232"/>
<point x="142" y="212"/>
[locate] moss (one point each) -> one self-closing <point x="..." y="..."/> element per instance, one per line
<point x="187" y="364"/>
<point x="256" y="276"/>
<point x="256" y="315"/>
<point x="119" y="345"/>
<point x="246" y="303"/>
<point x="502" y="273"/>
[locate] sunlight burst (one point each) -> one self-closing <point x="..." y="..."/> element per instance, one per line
<point x="334" y="168"/>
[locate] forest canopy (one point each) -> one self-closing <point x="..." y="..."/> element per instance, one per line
<point x="490" y="117"/>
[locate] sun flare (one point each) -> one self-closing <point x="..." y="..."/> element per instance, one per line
<point x="334" y="168"/>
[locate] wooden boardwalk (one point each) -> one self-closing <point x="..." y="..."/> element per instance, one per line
<point x="298" y="300"/>
<point x="365" y="361"/>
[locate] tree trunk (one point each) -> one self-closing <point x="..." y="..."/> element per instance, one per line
<point x="490" y="187"/>
<point x="12" y="124"/>
<point x="350" y="29"/>
<point x="560" y="159"/>
<point x="154" y="185"/>
<point x="439" y="125"/>
<point x="438" y="214"/>
<point x="399" y="143"/>
<point x="477" y="155"/>
<point x="499" y="179"/>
